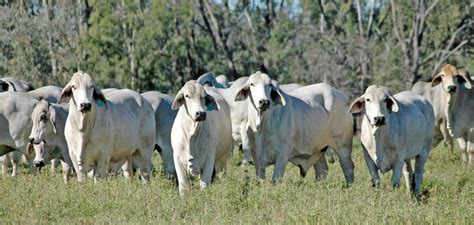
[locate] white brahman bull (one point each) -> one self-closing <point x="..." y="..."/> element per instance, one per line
<point x="164" y="118"/>
<point x="457" y="92"/>
<point x="102" y="132"/>
<point x="395" y="129"/>
<point x="201" y="134"/>
<point x="296" y="127"/>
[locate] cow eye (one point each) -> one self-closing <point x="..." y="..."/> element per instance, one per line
<point x="367" y="100"/>
<point x="73" y="86"/>
<point x="186" y="96"/>
<point x="43" y="117"/>
<point x="251" y="84"/>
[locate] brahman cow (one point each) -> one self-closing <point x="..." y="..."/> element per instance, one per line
<point x="49" y="121"/>
<point x="164" y="118"/>
<point x="395" y="129"/>
<point x="457" y="92"/>
<point x="437" y="99"/>
<point x="14" y="85"/>
<point x="15" y="125"/>
<point x="101" y="132"/>
<point x="201" y="135"/>
<point x="296" y="127"/>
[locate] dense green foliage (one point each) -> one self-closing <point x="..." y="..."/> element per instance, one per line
<point x="159" y="44"/>
<point x="448" y="197"/>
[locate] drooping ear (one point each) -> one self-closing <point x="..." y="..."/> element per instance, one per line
<point x="52" y="117"/>
<point x="392" y="104"/>
<point x="65" y="95"/>
<point x="276" y="95"/>
<point x="4" y="85"/>
<point x="436" y="80"/>
<point x="178" y="101"/>
<point x="464" y="78"/>
<point x="243" y="93"/>
<point x="211" y="103"/>
<point x="358" y="105"/>
<point x="99" y="97"/>
<point x="29" y="148"/>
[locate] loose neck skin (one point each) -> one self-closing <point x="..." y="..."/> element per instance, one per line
<point x="61" y="117"/>
<point x="454" y="102"/>
<point x="256" y="118"/>
<point x="83" y="121"/>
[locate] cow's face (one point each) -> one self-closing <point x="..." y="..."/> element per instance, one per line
<point x="44" y="122"/>
<point x="195" y="100"/>
<point x="262" y="91"/>
<point x="452" y="80"/>
<point x="376" y="103"/>
<point x="83" y="91"/>
<point x="41" y="151"/>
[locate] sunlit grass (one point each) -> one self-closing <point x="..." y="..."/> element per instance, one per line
<point x="448" y="197"/>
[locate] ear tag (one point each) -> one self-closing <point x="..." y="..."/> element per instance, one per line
<point x="100" y="103"/>
<point x="210" y="107"/>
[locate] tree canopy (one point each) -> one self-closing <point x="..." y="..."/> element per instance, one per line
<point x="159" y="44"/>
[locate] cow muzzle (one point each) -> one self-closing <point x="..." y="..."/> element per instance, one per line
<point x="39" y="163"/>
<point x="85" y="107"/>
<point x="263" y="104"/>
<point x="451" y="88"/>
<point x="379" y="120"/>
<point x="200" y="116"/>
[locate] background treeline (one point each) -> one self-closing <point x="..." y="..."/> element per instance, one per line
<point x="159" y="44"/>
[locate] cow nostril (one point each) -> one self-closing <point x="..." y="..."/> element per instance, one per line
<point x="31" y="140"/>
<point x="39" y="163"/>
<point x="451" y="88"/>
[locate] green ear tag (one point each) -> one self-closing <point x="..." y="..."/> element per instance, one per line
<point x="100" y="103"/>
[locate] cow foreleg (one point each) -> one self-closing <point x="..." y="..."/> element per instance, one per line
<point x="374" y="173"/>
<point x="397" y="171"/>
<point x="208" y="170"/>
<point x="101" y="169"/>
<point x="280" y="164"/>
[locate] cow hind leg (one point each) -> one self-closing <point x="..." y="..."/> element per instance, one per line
<point x="344" y="152"/>
<point x="470" y="147"/>
<point x="420" y="161"/>
<point x="408" y="174"/>
<point x="127" y="168"/>
<point x="144" y="161"/>
<point x="463" y="146"/>
<point x="321" y="168"/>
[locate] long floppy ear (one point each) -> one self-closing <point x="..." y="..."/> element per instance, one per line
<point x="276" y="95"/>
<point x="392" y="104"/>
<point x="464" y="78"/>
<point x="178" y="101"/>
<point x="211" y="103"/>
<point x="11" y="87"/>
<point x="65" y="95"/>
<point x="52" y="117"/>
<point x="29" y="148"/>
<point x="99" y="97"/>
<point x="243" y="93"/>
<point x="358" y="105"/>
<point x="436" y="80"/>
<point x="4" y="85"/>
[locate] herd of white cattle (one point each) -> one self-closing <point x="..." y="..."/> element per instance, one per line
<point x="96" y="132"/>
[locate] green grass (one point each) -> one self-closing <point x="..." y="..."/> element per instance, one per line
<point x="448" y="197"/>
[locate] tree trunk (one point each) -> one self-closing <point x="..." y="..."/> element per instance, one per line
<point x="52" y="55"/>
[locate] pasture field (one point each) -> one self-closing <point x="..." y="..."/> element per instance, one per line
<point x="448" y="197"/>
